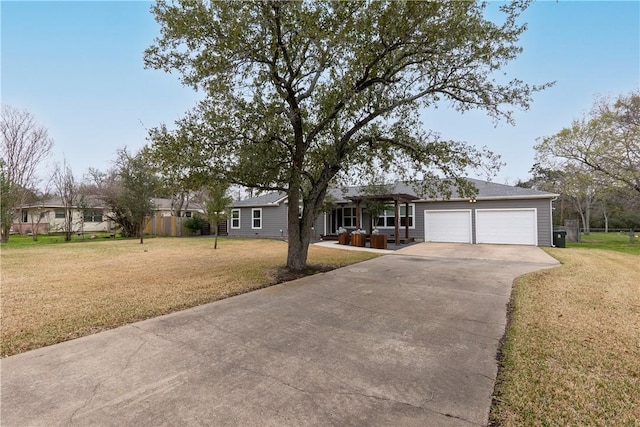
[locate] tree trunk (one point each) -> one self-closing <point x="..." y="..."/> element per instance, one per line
<point x="215" y="236"/>
<point x="5" y="233"/>
<point x="587" y="217"/>
<point x="584" y="223"/>
<point x="300" y="229"/>
<point x="141" y="228"/>
<point x="298" y="251"/>
<point x="68" y="225"/>
<point x="588" y="204"/>
<point x="34" y="230"/>
<point x="299" y="234"/>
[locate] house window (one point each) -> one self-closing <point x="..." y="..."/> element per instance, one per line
<point x="187" y="214"/>
<point x="92" y="215"/>
<point x="403" y="219"/>
<point x="256" y="218"/>
<point x="25" y="215"/>
<point x="349" y="217"/>
<point x="388" y="218"/>
<point x="235" y="218"/>
<point x="60" y="214"/>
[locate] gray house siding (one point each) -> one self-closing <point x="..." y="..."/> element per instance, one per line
<point x="518" y="226"/>
<point x="543" y="207"/>
<point x="274" y="219"/>
<point x="319" y="226"/>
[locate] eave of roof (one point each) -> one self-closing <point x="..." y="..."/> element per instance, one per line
<point x="269" y="199"/>
<point x="400" y="197"/>
<point x="516" y="197"/>
<point x="280" y="200"/>
<point x="402" y="194"/>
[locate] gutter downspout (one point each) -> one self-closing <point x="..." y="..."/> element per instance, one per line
<point x="551" y="218"/>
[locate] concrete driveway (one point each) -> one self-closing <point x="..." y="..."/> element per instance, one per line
<point x="404" y="339"/>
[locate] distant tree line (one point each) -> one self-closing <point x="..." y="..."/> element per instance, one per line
<point x="594" y="164"/>
<point x="125" y="190"/>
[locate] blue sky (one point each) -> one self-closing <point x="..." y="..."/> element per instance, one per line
<point x="77" y="66"/>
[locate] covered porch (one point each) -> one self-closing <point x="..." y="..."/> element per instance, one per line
<point x="396" y="222"/>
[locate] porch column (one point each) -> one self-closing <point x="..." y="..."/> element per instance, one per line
<point x="397" y="217"/>
<point x="358" y="214"/>
<point x="324" y="223"/>
<point x="406" y="220"/>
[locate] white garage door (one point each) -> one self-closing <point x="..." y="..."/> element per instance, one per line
<point x="447" y="226"/>
<point x="507" y="226"/>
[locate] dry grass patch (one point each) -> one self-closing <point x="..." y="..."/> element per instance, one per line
<point x="572" y="350"/>
<point x="54" y="293"/>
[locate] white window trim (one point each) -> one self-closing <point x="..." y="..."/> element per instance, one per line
<point x="353" y="217"/>
<point x="231" y="219"/>
<point x="413" y="216"/>
<point x="253" y="218"/>
<point x="92" y="213"/>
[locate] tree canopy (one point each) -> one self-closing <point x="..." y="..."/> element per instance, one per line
<point x="71" y="196"/>
<point x="299" y="94"/>
<point x="216" y="203"/>
<point x="25" y="144"/>
<point x="127" y="189"/>
<point x="606" y="142"/>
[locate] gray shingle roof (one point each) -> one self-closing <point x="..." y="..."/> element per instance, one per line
<point x="492" y="190"/>
<point x="165" y="204"/>
<point x="486" y="190"/>
<point x="92" y="201"/>
<point x="274" y="198"/>
<point x="56" y="202"/>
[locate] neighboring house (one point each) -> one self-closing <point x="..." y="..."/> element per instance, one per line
<point x="49" y="217"/>
<point x="163" y="208"/>
<point x="499" y="214"/>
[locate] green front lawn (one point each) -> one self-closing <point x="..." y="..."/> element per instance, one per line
<point x="16" y="241"/>
<point x="613" y="241"/>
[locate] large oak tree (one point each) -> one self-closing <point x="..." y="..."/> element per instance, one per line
<point x="298" y="94"/>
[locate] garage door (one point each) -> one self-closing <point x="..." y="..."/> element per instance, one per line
<point x="507" y="226"/>
<point x="447" y="226"/>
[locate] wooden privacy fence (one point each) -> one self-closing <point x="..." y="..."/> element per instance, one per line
<point x="173" y="226"/>
<point x="170" y="226"/>
<point x="27" y="228"/>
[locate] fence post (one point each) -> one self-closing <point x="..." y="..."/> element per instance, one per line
<point x="572" y="227"/>
<point x="631" y="235"/>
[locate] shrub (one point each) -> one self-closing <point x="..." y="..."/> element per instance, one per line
<point x="195" y="223"/>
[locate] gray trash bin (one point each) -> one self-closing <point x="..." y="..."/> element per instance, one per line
<point x="560" y="238"/>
